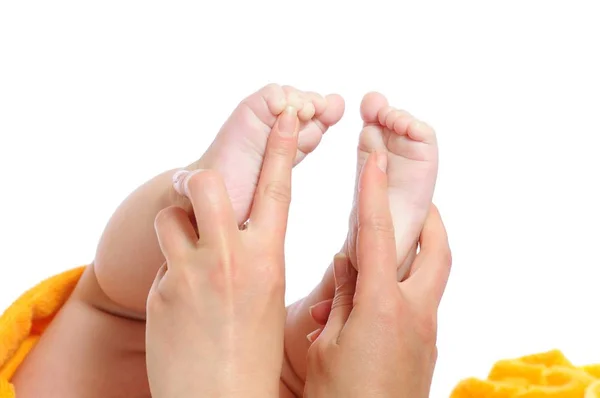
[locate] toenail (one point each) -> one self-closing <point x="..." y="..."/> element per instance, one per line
<point x="307" y="112"/>
<point x="295" y="100"/>
<point x="178" y="178"/>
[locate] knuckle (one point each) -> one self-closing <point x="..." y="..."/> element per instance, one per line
<point x="155" y="303"/>
<point x="378" y="222"/>
<point x="319" y="357"/>
<point x="270" y="276"/>
<point x="223" y="274"/>
<point x="344" y="297"/>
<point x="163" y="294"/>
<point x="379" y="232"/>
<point x="284" y="147"/>
<point x="398" y="313"/>
<point x="278" y="191"/>
<point x="382" y="225"/>
<point x="426" y="328"/>
<point x="277" y="284"/>
<point x="446" y="256"/>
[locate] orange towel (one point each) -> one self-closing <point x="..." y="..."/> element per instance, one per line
<point x="25" y="320"/>
<point x="548" y="374"/>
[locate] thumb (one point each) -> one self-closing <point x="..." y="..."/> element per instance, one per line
<point x="345" y="286"/>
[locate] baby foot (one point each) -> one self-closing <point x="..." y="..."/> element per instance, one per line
<point x="237" y="151"/>
<point x="412" y="151"/>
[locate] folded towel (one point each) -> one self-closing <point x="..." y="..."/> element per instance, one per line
<point x="548" y="374"/>
<point x="25" y="320"/>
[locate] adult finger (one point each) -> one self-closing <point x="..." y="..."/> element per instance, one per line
<point x="376" y="246"/>
<point x="312" y="336"/>
<point x="214" y="214"/>
<point x="160" y="274"/>
<point x="155" y="299"/>
<point x="175" y="233"/>
<point x="431" y="268"/>
<point x="273" y="193"/>
<point x="300" y="320"/>
<point x="341" y="307"/>
<point x="320" y="311"/>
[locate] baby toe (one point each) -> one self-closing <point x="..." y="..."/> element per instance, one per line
<point x="318" y="101"/>
<point x="307" y="112"/>
<point x="420" y="131"/>
<point x="371" y="106"/>
<point x="294" y="97"/>
<point x="275" y="98"/>
<point x="334" y="110"/>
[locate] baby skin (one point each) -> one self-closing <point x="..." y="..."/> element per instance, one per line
<point x="412" y="164"/>
<point x="412" y="152"/>
<point x="238" y="150"/>
<point x="95" y="346"/>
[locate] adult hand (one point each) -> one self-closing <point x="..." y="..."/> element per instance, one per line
<point x="215" y="314"/>
<point x="380" y="335"/>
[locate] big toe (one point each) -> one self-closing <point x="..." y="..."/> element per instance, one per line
<point x="370" y="106"/>
<point x="334" y="110"/>
<point x="328" y="111"/>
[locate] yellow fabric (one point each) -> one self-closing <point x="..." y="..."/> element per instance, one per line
<point x="25" y="320"/>
<point x="548" y="374"/>
<point x="545" y="375"/>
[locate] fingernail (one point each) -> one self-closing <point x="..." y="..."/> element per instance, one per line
<point x="340" y="257"/>
<point x="288" y="122"/>
<point x="340" y="269"/>
<point x="382" y="161"/>
<point x="312" y="336"/>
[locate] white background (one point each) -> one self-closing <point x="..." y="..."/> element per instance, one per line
<point x="97" y="97"/>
